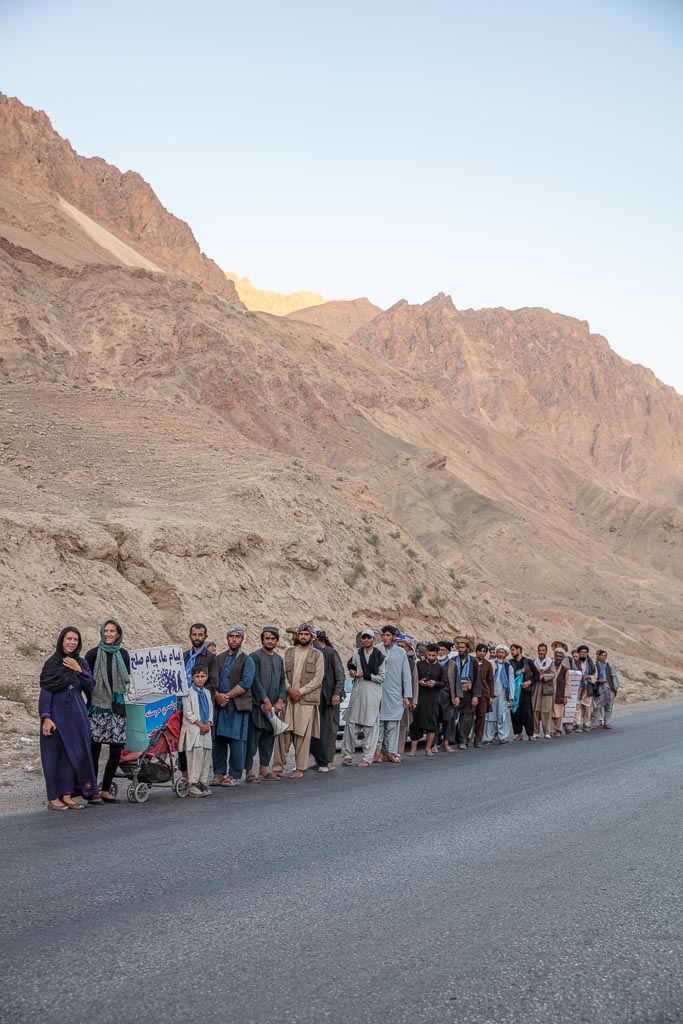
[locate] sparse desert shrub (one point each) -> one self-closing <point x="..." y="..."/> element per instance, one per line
<point x="356" y="572"/>
<point x="416" y="595"/>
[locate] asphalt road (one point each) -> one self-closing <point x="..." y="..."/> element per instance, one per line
<point x="538" y="882"/>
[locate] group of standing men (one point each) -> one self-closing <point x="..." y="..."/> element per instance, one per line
<point x="452" y="693"/>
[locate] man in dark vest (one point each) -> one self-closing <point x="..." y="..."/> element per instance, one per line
<point x="268" y="695"/>
<point x="486" y="699"/>
<point x="464" y="688"/>
<point x="331" y="696"/>
<point x="232" y="711"/>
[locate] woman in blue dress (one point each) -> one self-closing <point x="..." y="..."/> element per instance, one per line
<point x="65" y="734"/>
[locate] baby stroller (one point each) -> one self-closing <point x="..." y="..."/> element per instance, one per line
<point x="154" y="766"/>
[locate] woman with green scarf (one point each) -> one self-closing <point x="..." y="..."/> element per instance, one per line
<point x="110" y="665"/>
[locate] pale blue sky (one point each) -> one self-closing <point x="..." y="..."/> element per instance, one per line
<point x="511" y="153"/>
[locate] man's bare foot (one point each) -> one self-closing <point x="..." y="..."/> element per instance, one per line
<point x="363" y="763"/>
<point x="296" y="774"/>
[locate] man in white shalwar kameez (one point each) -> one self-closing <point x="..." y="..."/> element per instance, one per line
<point x="498" y="719"/>
<point x="367" y="671"/>
<point x="397" y="692"/>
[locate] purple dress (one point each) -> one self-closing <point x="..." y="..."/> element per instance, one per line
<point x="66" y="756"/>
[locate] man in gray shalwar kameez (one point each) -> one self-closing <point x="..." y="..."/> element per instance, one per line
<point x="397" y="692"/>
<point x="366" y="667"/>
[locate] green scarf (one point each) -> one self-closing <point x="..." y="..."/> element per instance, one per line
<point x="102" y="696"/>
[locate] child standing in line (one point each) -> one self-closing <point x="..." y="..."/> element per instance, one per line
<point x="195" y="735"/>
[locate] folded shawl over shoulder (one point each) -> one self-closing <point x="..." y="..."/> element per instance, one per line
<point x="55" y="676"/>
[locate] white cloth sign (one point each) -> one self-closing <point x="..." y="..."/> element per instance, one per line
<point x="570" y="706"/>
<point x="157" y="670"/>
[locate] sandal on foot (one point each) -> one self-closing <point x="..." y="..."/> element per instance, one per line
<point x="57" y="807"/>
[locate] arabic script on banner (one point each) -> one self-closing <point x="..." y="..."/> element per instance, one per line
<point x="157" y="670"/>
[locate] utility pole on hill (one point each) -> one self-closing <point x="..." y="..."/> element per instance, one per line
<point x="525" y="569"/>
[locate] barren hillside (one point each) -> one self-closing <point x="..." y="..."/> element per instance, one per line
<point x="169" y="456"/>
<point x="33" y="155"/>
<point x="339" y="317"/>
<point x="537" y="375"/>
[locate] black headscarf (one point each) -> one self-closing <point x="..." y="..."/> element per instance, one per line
<point x="55" y="676"/>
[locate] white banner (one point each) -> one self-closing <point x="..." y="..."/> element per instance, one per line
<point x="570" y="706"/>
<point x="157" y="670"/>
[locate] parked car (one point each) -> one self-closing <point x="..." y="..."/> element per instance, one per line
<point x="348" y="686"/>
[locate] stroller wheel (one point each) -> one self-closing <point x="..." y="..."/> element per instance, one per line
<point x="182" y="787"/>
<point x="130" y="793"/>
<point x="113" y="789"/>
<point x="141" y="792"/>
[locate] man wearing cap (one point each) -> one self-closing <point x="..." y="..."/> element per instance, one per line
<point x="397" y="693"/>
<point x="464" y="688"/>
<point x="607" y="684"/>
<point x="233" y="706"/>
<point x="366" y="668"/>
<point x="304" y="669"/>
<point x="544" y="693"/>
<point x="486" y="699"/>
<point x="268" y="695"/>
<point x="587" y="689"/>
<point x="498" y="719"/>
<point x="562" y="688"/>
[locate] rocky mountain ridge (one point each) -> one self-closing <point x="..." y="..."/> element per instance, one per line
<point x="172" y="456"/>
<point x="340" y="317"/>
<point x="260" y="300"/>
<point x="34" y="156"/>
<point x="536" y="375"/>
